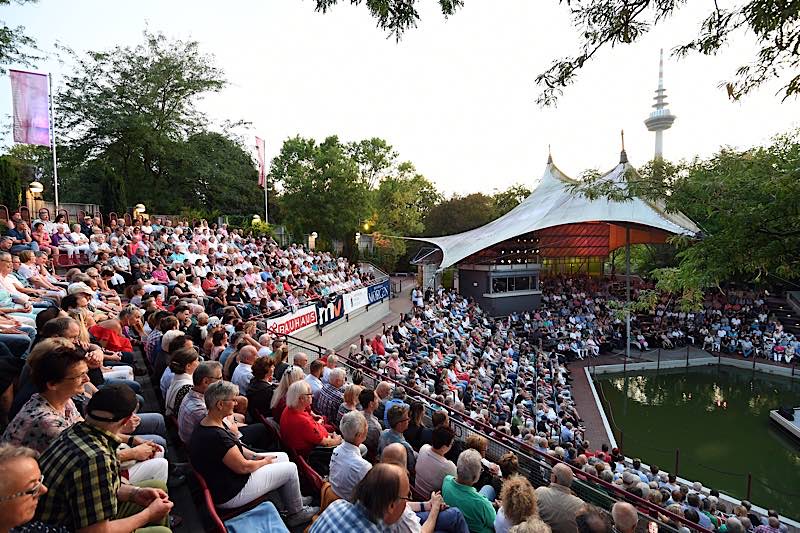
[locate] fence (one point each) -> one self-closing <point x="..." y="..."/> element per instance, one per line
<point x="534" y="464"/>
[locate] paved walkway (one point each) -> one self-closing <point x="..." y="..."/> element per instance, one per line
<point x="398" y="306"/>
<point x="584" y="399"/>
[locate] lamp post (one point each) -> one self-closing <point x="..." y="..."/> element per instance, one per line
<point x="138" y="211"/>
<point x="312" y="240"/>
<point x="34" y="190"/>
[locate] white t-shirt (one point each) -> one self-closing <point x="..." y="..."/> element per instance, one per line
<point x="431" y="469"/>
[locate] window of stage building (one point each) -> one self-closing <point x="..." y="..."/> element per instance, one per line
<point x="514" y="283"/>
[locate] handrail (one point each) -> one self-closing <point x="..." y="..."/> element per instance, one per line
<point x="511" y="444"/>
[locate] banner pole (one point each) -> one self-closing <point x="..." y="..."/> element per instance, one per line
<point x="266" y="197"/>
<point x="53" y="142"/>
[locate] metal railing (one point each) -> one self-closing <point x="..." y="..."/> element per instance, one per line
<point x="534" y="464"/>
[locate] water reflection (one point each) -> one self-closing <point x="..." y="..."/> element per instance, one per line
<point x="719" y="420"/>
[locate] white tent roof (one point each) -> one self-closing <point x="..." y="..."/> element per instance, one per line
<point x="552" y="203"/>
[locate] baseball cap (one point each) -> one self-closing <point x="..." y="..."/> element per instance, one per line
<point x="112" y="403"/>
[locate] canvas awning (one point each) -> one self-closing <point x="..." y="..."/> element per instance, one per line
<point x="569" y="224"/>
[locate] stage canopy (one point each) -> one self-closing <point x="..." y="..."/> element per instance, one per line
<point x="554" y="221"/>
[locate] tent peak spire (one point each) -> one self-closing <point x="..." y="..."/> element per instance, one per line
<point x="623" y="156"/>
<point x="549" y="155"/>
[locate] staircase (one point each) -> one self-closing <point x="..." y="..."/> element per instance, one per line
<point x="784" y="312"/>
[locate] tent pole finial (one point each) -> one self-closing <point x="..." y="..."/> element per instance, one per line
<point x="549" y="156"/>
<point x="623" y="157"/>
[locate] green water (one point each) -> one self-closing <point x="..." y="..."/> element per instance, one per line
<point x="719" y="418"/>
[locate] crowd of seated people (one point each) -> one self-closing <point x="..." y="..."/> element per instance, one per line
<point x="188" y="298"/>
<point x="193" y="301"/>
<point x="495" y="373"/>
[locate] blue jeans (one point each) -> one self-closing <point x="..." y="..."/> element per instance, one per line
<point x="32" y="246"/>
<point x="19" y="343"/>
<point x="488" y="492"/>
<point x="450" y="520"/>
<point x="152" y="427"/>
<point x="134" y="385"/>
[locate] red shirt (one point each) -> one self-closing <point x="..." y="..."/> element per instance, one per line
<point x="300" y="431"/>
<point x="377" y="347"/>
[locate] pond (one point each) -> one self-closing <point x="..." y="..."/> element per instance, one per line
<point x="719" y="419"/>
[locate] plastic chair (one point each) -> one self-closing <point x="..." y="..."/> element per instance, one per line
<point x="219" y="515"/>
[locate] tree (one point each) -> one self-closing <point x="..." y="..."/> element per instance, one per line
<point x="14" y="43"/>
<point x="602" y="24"/>
<point x="403" y="201"/>
<point x="113" y="197"/>
<point x="214" y="172"/>
<point x="505" y="201"/>
<point x="458" y="214"/>
<point x="34" y="163"/>
<point x="133" y="107"/>
<point x="322" y="189"/>
<point x="10" y="186"/>
<point x="375" y="159"/>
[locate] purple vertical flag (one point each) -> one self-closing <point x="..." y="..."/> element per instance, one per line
<point x="31" y="107"/>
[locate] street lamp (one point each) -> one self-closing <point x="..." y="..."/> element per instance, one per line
<point x="36" y="187"/>
<point x="256" y="218"/>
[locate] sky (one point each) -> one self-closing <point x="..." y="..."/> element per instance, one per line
<point x="455" y="96"/>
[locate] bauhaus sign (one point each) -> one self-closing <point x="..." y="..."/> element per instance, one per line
<point x="294" y="322"/>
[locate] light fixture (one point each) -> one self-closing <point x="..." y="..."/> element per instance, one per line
<point x="139" y="207"/>
<point x="35" y="187"/>
<point x="256" y="218"/>
<point x="314" y="235"/>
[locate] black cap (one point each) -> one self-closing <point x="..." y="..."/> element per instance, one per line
<point x="112" y="403"/>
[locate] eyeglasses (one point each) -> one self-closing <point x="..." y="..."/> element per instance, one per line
<point x="82" y="376"/>
<point x="33" y="491"/>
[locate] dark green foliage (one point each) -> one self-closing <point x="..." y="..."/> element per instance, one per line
<point x="10" y="186"/>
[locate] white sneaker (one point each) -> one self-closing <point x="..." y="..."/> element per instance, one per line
<point x="302" y="516"/>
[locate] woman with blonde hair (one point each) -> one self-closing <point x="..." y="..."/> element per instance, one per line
<point x="350" y="402"/>
<point x="519" y="504"/>
<point x="85" y="320"/>
<point x="534" y="525"/>
<point x="278" y="403"/>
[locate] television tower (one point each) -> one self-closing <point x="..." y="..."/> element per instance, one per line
<point x="660" y="119"/>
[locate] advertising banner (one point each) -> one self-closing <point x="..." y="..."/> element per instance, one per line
<point x="330" y="312"/>
<point x="355" y="300"/>
<point x="379" y="291"/>
<point x="31" y="107"/>
<point x="294" y="322"/>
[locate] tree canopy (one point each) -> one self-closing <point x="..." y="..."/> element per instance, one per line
<point x="322" y="188"/>
<point x="15" y="45"/>
<point x="128" y="119"/>
<point x="603" y="24"/>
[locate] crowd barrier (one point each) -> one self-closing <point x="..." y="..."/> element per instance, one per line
<point x="534" y="464"/>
